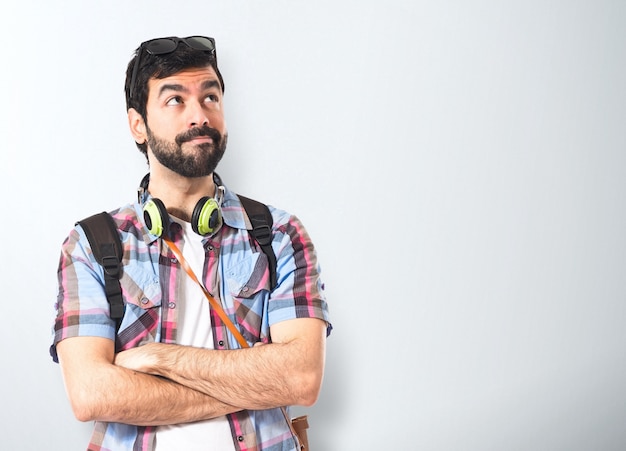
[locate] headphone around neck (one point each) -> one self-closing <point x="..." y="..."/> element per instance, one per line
<point x="206" y="218"/>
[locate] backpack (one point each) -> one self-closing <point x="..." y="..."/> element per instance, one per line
<point x="106" y="246"/>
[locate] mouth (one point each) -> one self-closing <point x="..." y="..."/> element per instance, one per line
<point x="201" y="140"/>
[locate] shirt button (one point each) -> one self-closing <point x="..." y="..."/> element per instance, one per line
<point x="221" y="342"/>
<point x="172" y="305"/>
<point x="144" y="300"/>
<point x="173" y="260"/>
<point x="210" y="248"/>
<point x="240" y="438"/>
<point x="245" y="289"/>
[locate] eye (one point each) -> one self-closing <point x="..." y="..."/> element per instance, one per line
<point x="212" y="98"/>
<point x="172" y="101"/>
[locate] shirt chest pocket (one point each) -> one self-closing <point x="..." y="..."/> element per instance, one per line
<point x="247" y="281"/>
<point x="142" y="299"/>
<point x="247" y="286"/>
<point x="141" y="290"/>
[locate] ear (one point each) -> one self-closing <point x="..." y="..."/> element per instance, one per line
<point x="137" y="126"/>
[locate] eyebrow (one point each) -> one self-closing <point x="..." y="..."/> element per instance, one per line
<point x="210" y="84"/>
<point x="206" y="85"/>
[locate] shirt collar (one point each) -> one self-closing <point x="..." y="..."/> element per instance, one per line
<point x="233" y="214"/>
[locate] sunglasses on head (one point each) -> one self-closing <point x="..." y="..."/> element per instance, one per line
<point x="162" y="46"/>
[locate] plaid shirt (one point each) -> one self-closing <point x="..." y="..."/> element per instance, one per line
<point x="150" y="280"/>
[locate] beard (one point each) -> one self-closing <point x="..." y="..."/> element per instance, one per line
<point x="199" y="162"/>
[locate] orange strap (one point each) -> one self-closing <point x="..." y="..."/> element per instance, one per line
<point x="214" y="303"/>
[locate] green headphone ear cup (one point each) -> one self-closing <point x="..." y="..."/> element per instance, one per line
<point x="206" y="217"/>
<point x="156" y="217"/>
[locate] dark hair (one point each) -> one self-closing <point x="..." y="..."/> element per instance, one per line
<point x="162" y="66"/>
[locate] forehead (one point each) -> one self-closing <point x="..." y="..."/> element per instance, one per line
<point x="188" y="78"/>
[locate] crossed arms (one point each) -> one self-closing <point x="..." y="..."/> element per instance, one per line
<point x="158" y="384"/>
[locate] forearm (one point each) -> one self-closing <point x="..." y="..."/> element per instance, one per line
<point x="288" y="372"/>
<point x="100" y="390"/>
<point x="257" y="378"/>
<point x="146" y="400"/>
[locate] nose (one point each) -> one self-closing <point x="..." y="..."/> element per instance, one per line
<point x="197" y="115"/>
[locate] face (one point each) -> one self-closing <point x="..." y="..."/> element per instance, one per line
<point x="185" y="129"/>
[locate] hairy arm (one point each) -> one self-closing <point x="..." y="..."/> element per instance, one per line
<point x="100" y="390"/>
<point x="288" y="371"/>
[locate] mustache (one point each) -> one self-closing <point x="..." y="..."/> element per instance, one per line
<point x="192" y="133"/>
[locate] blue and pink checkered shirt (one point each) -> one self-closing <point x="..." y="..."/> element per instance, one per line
<point x="151" y="276"/>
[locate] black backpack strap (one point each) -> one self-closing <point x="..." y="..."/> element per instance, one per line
<point x="261" y="220"/>
<point x="107" y="248"/>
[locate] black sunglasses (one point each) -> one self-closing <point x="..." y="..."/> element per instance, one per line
<point x="162" y="46"/>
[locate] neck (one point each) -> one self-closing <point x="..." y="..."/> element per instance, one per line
<point x="179" y="194"/>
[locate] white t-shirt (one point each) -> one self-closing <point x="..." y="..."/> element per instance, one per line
<point x="194" y="329"/>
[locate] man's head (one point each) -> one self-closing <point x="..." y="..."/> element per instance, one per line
<point x="160" y="58"/>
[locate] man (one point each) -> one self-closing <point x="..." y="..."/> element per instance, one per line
<point x="180" y="380"/>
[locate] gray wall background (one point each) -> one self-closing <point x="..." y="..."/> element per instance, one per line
<point x="460" y="166"/>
